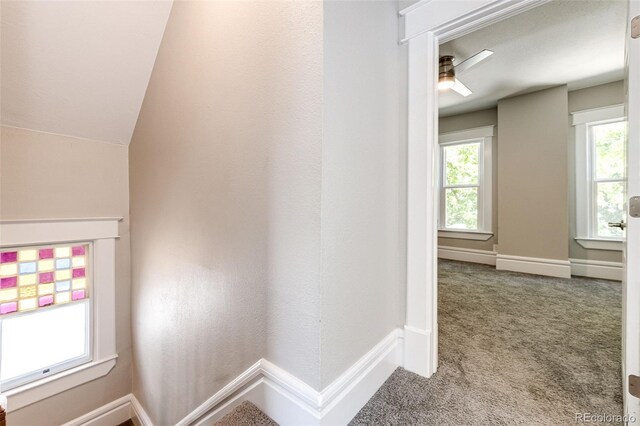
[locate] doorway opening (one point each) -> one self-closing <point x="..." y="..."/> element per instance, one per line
<point x="531" y="185"/>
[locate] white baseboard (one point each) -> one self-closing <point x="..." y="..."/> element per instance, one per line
<point x="417" y="351"/>
<point x="534" y="265"/>
<point x="113" y="413"/>
<point x="596" y="269"/>
<point x="290" y="401"/>
<point x="467" y="255"/>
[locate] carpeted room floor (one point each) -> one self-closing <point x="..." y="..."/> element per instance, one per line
<point x="513" y="348"/>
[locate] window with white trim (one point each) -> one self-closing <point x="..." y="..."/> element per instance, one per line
<point x="466" y="184"/>
<point x="44" y="311"/>
<point x="57" y="306"/>
<point x="600" y="176"/>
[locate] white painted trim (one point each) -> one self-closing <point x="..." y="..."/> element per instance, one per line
<point x="52" y="385"/>
<point x="113" y="413"/>
<point x="600" y="244"/>
<point x="465" y="235"/>
<point x="485" y="257"/>
<point x="466" y="135"/>
<point x="45" y="231"/>
<point x="102" y="233"/>
<point x="448" y="21"/>
<point x="290" y="401"/>
<point x="596" y="269"/>
<point x="419" y="350"/>
<point x="611" y="112"/>
<point x="534" y="265"/>
<point x="139" y="413"/>
<point x="110" y="414"/>
<point x="423" y="29"/>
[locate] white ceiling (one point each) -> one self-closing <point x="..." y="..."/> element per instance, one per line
<point x="78" y="68"/>
<point x="579" y="43"/>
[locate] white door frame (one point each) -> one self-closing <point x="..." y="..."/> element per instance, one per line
<point x="427" y="24"/>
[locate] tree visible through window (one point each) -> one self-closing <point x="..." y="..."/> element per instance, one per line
<point x="461" y="185"/>
<point x="607" y="146"/>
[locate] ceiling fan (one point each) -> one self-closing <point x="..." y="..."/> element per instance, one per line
<point x="447" y="76"/>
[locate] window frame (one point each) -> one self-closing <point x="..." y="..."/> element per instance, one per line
<point x="483" y="136"/>
<point x="101" y="233"/>
<point x="585" y="177"/>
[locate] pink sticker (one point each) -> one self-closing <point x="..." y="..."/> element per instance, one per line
<point x="46" y="253"/>
<point x="45" y="300"/>
<point x="8" y="282"/>
<point x="77" y="295"/>
<point x="46" y="277"/>
<point x="10" y="256"/>
<point x="78" y="273"/>
<point x="7" y="308"/>
<point x="78" y="251"/>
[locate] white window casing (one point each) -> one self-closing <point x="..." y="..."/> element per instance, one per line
<point x="484" y="136"/>
<point x="586" y="217"/>
<point x="101" y="233"/>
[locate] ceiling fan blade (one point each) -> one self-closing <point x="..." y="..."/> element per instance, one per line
<point x="475" y="59"/>
<point x="461" y="88"/>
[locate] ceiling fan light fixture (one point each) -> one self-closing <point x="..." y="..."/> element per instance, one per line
<point x="446" y="75"/>
<point x="446" y="82"/>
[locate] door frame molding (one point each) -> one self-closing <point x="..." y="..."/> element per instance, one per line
<point x="424" y="26"/>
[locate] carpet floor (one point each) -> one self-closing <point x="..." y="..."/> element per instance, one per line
<point x="513" y="349"/>
<point x="246" y="414"/>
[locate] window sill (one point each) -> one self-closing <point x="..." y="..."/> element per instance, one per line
<point x="52" y="385"/>
<point x="465" y="235"/>
<point x="600" y="244"/>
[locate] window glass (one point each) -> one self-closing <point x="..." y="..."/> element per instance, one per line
<point x="35" y="342"/>
<point x="462" y="164"/>
<point x="461" y="208"/>
<point x="610" y="208"/>
<point x="609" y="150"/>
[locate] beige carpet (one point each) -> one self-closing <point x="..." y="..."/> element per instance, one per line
<point x="514" y="349"/>
<point x="246" y="414"/>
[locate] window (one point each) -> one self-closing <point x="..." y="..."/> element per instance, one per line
<point x="465" y="184"/>
<point x="57" y="305"/>
<point x="600" y="176"/>
<point x="44" y="312"/>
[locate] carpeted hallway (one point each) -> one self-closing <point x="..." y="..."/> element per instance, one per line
<point x="514" y="349"/>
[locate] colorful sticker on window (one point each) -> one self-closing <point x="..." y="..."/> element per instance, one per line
<point x="33" y="278"/>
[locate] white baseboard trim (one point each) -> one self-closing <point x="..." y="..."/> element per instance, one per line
<point x="467" y="255"/>
<point x="113" y="413"/>
<point x="596" y="269"/>
<point x="534" y="265"/>
<point x="290" y="401"/>
<point x="417" y="351"/>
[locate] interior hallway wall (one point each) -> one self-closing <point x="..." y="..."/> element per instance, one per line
<point x="48" y="176"/>
<point x="533" y="208"/>
<point x="363" y="181"/>
<point x="225" y="202"/>
<point x="454" y="123"/>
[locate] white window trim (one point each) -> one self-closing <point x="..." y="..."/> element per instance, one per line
<point x="102" y="232"/>
<point x="485" y="197"/>
<point x="581" y="121"/>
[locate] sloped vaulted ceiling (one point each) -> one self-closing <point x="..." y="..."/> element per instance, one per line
<point x="78" y="68"/>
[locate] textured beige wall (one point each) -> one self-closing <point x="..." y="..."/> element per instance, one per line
<point x="225" y="202"/>
<point x="52" y="176"/>
<point x="363" y="181"/>
<point x="486" y="117"/>
<point x="591" y="97"/>
<point x="533" y="218"/>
